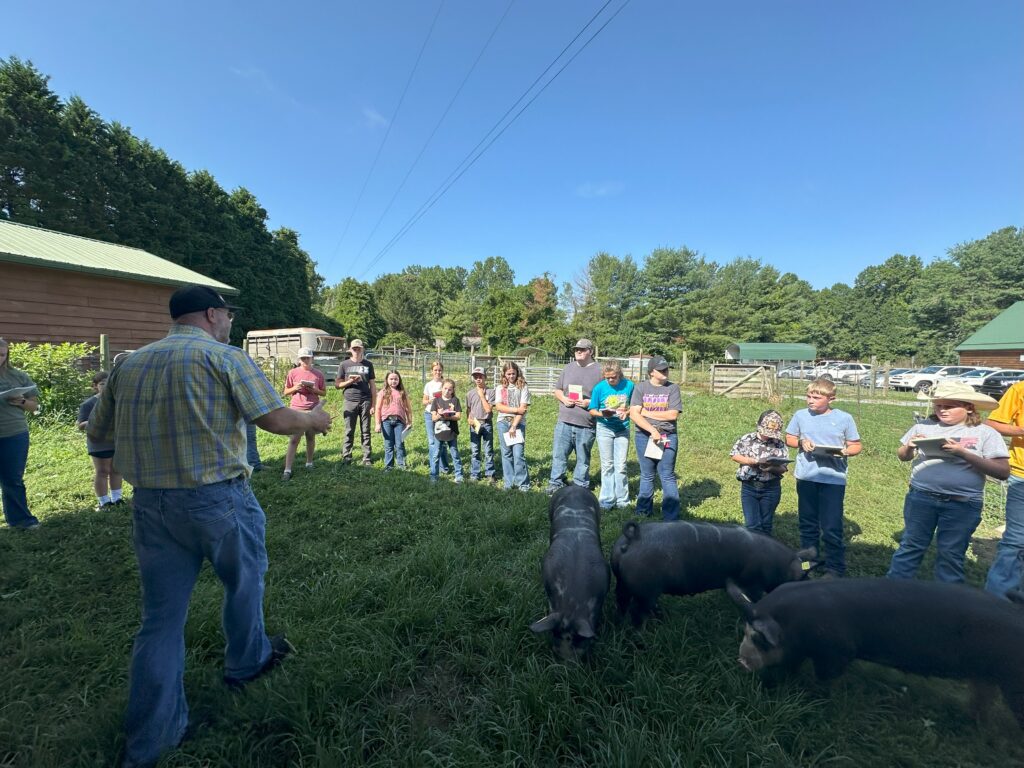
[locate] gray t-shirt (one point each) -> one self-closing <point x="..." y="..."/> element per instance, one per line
<point x="84" y="410"/>
<point x="952" y="474"/>
<point x="475" y="408"/>
<point x="360" y="391"/>
<point x="655" y="398"/>
<point x="575" y="375"/>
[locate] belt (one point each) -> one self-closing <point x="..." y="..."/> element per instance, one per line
<point x="763" y="483"/>
<point x="942" y="496"/>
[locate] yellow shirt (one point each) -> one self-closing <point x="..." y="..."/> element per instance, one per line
<point x="1011" y="411"/>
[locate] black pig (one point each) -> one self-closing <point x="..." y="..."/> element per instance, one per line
<point x="928" y="628"/>
<point x="575" y="572"/>
<point x="686" y="558"/>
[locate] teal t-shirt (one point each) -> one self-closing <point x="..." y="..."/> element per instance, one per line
<point x="605" y="395"/>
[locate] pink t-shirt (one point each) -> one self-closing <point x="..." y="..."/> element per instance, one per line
<point x="304" y="400"/>
<point x="394" y="408"/>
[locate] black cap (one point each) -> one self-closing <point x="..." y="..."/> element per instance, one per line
<point x="657" y="363"/>
<point x="195" y="298"/>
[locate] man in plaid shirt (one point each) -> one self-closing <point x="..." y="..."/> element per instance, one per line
<point x="176" y="412"/>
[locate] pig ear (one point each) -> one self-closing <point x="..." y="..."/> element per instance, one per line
<point x="768" y="629"/>
<point x="546" y="624"/>
<point x="583" y="629"/>
<point x="739" y="597"/>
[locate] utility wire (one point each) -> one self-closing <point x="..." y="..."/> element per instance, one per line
<point x="387" y="133"/>
<point x="430" y="138"/>
<point x="471" y="158"/>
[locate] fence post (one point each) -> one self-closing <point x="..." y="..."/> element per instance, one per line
<point x="682" y="369"/>
<point x="104" y="352"/>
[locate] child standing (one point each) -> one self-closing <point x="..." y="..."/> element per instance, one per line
<point x="947" y="491"/>
<point x="479" y="404"/>
<point x="445" y="413"/>
<point x="820" y="475"/>
<point x="106" y="481"/>
<point x="512" y="400"/>
<point x="306" y="385"/>
<point x="759" y="476"/>
<point x="655" y="408"/>
<point x="393" y="416"/>
<point x="610" y="409"/>
<point x="431" y="391"/>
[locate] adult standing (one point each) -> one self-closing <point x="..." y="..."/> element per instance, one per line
<point x="574" y="430"/>
<point x="176" y="411"/>
<point x="22" y="397"/>
<point x="654" y="409"/>
<point x="1007" y="569"/>
<point x="356" y="377"/>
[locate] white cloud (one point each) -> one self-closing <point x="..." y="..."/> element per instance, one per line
<point x="591" y="189"/>
<point x="373" y="118"/>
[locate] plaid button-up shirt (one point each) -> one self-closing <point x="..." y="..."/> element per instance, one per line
<point x="176" y="411"/>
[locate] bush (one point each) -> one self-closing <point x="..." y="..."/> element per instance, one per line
<point x="55" y="370"/>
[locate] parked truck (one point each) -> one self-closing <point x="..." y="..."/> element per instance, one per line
<point x="284" y="344"/>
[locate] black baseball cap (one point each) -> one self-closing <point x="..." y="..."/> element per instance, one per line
<point x="196" y="298"/>
<point x="657" y="363"/>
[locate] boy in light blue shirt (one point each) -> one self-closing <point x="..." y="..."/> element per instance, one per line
<point x="820" y="476"/>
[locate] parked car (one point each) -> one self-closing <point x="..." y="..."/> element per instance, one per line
<point x="815" y="370"/>
<point x="846" y="373"/>
<point x="996" y="386"/>
<point x="792" y="372"/>
<point x="976" y="376"/>
<point x="924" y="379"/>
<point x="865" y="381"/>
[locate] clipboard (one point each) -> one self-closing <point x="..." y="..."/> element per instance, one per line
<point x="827" y="450"/>
<point x="517" y="440"/>
<point x="932" y="446"/>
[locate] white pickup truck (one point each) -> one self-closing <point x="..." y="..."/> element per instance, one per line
<point x="924" y="379"/>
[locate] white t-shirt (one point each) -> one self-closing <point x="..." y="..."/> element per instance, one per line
<point x="952" y="474"/>
<point x="431" y="389"/>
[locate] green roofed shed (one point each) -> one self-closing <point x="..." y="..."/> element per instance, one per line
<point x="1004" y="331"/>
<point x="773" y="353"/>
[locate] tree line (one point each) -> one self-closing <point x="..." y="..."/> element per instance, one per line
<point x="64" y="168"/>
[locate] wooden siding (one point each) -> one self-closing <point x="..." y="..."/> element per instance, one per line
<point x="53" y="305"/>
<point x="994" y="358"/>
<point x="755" y="381"/>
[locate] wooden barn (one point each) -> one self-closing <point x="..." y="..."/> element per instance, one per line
<point x="56" y="287"/>
<point x="999" y="343"/>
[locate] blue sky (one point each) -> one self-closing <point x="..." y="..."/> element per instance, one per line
<point x="818" y="137"/>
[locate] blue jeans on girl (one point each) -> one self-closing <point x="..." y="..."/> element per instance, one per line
<point x="952" y="522"/>
<point x="513" y="458"/>
<point x="393" y="431"/>
<point x="665" y="469"/>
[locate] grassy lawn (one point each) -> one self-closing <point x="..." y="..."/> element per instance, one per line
<point x="409" y="606"/>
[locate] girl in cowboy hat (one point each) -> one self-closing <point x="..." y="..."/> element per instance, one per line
<point x="947" y="480"/>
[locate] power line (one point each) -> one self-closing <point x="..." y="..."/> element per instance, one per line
<point x="387" y="133"/>
<point x="430" y="138"/>
<point x="471" y="159"/>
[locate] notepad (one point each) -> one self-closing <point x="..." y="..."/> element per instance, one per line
<point x="827" y="450"/>
<point x="932" y="446"/>
<point x="516" y="439"/>
<point x="653" y="450"/>
<point x="16" y="392"/>
<point x="775" y="460"/>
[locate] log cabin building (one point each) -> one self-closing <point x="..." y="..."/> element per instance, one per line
<point x="56" y="287"/>
<point x="999" y="343"/>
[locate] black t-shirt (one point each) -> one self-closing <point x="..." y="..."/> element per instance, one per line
<point x="440" y="404"/>
<point x="360" y="391"/>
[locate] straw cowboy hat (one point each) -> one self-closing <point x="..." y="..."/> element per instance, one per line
<point x="962" y="393"/>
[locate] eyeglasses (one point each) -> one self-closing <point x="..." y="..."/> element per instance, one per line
<point x="228" y="312"/>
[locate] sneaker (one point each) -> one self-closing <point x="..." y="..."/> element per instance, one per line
<point x="28" y="526"/>
<point x="286" y="475"/>
<point x="309" y="465"/>
<point x="346" y="460"/>
<point x="279" y="649"/>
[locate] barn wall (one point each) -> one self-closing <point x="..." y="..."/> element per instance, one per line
<point x="55" y="305"/>
<point x="994" y="358"/>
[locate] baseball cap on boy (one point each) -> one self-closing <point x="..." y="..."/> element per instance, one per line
<point x="769" y="425"/>
<point x="356" y="343"/>
<point x="196" y="298"/>
<point x="479" y="372"/>
<point x="657" y="363"/>
<point x="305" y="352"/>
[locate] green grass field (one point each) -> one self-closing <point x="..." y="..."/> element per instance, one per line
<point x="409" y="605"/>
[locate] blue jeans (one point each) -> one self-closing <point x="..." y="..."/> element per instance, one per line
<point x="394" y="442"/>
<point x="482" y="442"/>
<point x="13" y="458"/>
<point x="759" y="500"/>
<point x="513" y="458"/>
<point x="951" y="522"/>
<point x="820" y="519"/>
<point x="252" y="451"/>
<point x="665" y="469"/>
<point x="444" y="449"/>
<point x="1008" y="567"/>
<point x="174" y="530"/>
<point x="613" y="445"/>
<point x="569" y="437"/>
<point x="432" y="444"/>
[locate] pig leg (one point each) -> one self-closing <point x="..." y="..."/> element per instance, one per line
<point x="623" y="597"/>
<point x="830" y="664"/>
<point x="641" y="609"/>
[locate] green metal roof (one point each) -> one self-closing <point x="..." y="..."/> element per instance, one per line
<point x="794" y="352"/>
<point x="1004" y="331"/>
<point x="33" y="246"/>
